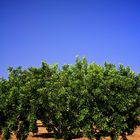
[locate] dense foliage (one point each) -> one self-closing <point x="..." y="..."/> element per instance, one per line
<point x="82" y="98"/>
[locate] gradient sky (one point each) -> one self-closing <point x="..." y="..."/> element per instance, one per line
<point x="57" y="30"/>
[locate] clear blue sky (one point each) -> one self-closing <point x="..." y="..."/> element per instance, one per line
<point x="57" y="30"/>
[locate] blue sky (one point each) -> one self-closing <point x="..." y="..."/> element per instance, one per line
<point x="57" y="30"/>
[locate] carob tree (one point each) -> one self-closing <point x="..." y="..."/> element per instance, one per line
<point x="82" y="98"/>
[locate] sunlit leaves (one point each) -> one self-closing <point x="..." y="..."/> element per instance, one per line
<point x="89" y="98"/>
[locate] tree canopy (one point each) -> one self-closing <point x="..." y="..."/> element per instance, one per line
<point x="89" y="98"/>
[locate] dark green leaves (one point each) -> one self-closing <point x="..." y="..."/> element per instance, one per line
<point x="88" y="98"/>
